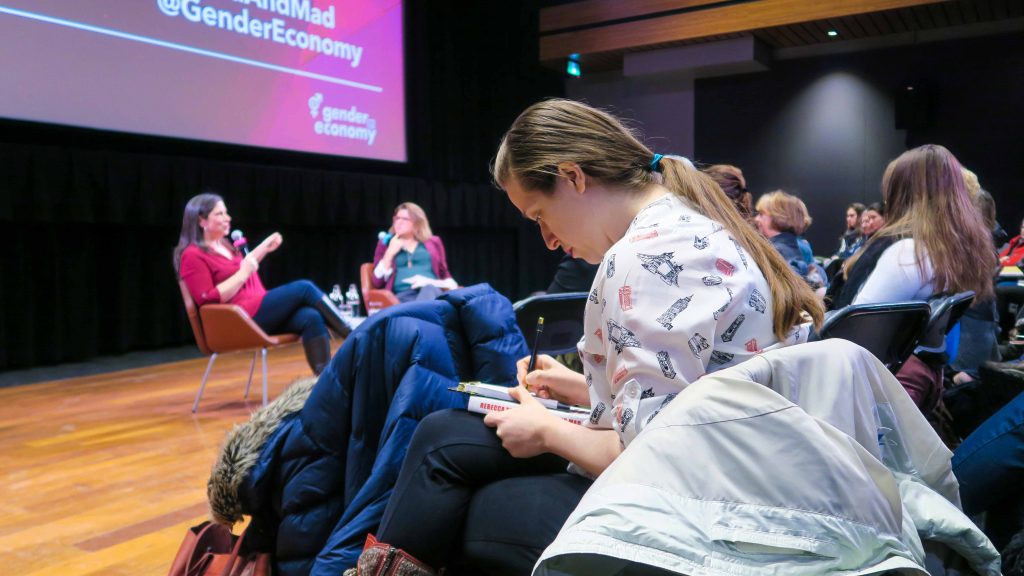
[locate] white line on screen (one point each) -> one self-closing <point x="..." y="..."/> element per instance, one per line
<point x="183" y="48"/>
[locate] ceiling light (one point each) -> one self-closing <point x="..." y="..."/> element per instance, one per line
<point x="832" y="33"/>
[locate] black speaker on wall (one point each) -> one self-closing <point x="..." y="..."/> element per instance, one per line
<point x="913" y="108"/>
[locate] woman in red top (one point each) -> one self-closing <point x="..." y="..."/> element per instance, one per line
<point x="1013" y="254"/>
<point x="215" y="272"/>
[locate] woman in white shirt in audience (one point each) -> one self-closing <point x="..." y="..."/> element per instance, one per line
<point x="933" y="242"/>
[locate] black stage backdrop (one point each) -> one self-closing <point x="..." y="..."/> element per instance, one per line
<point x="88" y="219"/>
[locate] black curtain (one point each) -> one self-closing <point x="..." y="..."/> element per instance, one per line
<point x="88" y="219"/>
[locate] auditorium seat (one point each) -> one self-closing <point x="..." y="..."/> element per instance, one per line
<point x="889" y="331"/>
<point x="946" y="311"/>
<point x="220" y="328"/>
<point x="563" y="321"/>
<point x="374" y="298"/>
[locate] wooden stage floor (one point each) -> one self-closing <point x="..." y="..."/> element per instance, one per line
<point x="104" y="474"/>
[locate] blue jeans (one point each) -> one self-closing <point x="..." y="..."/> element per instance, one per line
<point x="990" y="468"/>
<point x="292" y="308"/>
<point x="417" y="294"/>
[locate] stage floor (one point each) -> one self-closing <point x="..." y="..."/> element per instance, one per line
<point x="104" y="474"/>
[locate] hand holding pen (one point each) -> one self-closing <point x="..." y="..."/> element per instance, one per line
<point x="551" y="379"/>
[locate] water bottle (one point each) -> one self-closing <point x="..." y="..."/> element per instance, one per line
<point x="339" y="300"/>
<point x="335" y="296"/>
<point x="352" y="300"/>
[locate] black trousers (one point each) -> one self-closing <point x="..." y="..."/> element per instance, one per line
<point x="463" y="501"/>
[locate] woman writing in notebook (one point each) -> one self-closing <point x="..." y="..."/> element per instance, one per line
<point x="685" y="286"/>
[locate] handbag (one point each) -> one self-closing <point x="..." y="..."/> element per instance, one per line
<point x="380" y="559"/>
<point x="212" y="550"/>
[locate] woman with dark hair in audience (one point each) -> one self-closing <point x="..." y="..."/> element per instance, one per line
<point x="782" y="218"/>
<point x="872" y="219"/>
<point x="215" y="272"/>
<point x="852" y="239"/>
<point x="413" y="259"/>
<point x="685" y="286"/>
<point x="730" y="179"/>
<point x="933" y="242"/>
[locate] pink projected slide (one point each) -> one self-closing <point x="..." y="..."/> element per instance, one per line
<point x="323" y="76"/>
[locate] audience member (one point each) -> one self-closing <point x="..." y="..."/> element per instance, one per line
<point x="1013" y="253"/>
<point x="215" y="271"/>
<point x="677" y="264"/>
<point x="986" y="206"/>
<point x="852" y="239"/>
<point x="413" y="260"/>
<point x="782" y="218"/>
<point x="990" y="468"/>
<point x="872" y="219"/>
<point x="979" y="326"/>
<point x="933" y="242"/>
<point x="572" y="275"/>
<point x="730" y="179"/>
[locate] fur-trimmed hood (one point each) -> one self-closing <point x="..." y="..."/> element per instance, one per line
<point x="242" y="448"/>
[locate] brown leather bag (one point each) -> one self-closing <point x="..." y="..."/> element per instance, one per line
<point x="380" y="559"/>
<point x="212" y="550"/>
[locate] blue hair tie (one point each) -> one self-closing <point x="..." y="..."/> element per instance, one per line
<point x="654" y="166"/>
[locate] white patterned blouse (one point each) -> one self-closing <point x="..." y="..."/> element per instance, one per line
<point x="675" y="298"/>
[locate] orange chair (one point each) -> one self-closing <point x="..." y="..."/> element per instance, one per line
<point x="227" y="328"/>
<point x="374" y="298"/>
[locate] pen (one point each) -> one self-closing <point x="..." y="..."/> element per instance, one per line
<point x="536" y="341"/>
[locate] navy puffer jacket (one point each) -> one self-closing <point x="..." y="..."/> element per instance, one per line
<point x="316" y="467"/>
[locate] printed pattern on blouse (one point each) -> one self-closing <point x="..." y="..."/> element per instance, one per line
<point x="675" y="298"/>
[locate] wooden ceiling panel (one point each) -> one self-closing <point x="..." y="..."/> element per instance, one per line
<point x="695" y="24"/>
<point x="591" y="12"/>
<point x="603" y="31"/>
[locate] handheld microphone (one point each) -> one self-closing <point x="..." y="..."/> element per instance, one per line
<point x="385" y="237"/>
<point x="239" y="241"/>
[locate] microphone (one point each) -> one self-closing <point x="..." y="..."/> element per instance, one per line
<point x="238" y="241"/>
<point x="385" y="237"/>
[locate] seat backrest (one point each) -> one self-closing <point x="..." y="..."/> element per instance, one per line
<point x="1009" y="299"/>
<point x="563" y="321"/>
<point x="889" y="331"/>
<point x="193" y="318"/>
<point x="946" y="311"/>
<point x="365" y="280"/>
<point x="833" y="268"/>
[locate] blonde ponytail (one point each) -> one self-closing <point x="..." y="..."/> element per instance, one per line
<point x="790" y="293"/>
